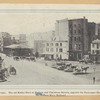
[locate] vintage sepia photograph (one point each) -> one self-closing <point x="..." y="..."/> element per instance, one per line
<point x="49" y="44"/>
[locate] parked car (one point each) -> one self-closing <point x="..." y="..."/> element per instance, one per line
<point x="69" y="69"/>
<point x="61" y="68"/>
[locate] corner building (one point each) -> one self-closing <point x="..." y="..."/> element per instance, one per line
<point x="77" y="32"/>
<point x="78" y="38"/>
<point x="55" y="50"/>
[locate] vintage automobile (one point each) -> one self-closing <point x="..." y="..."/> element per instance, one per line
<point x="69" y="69"/>
<point x="60" y="63"/>
<point x="16" y="58"/>
<point x="82" y="61"/>
<point x="68" y="64"/>
<point x="30" y="58"/>
<point x="58" y="67"/>
<point x="61" y="67"/>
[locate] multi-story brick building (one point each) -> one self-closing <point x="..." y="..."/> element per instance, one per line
<point x="95" y="50"/>
<point x="98" y="30"/>
<point x="79" y="33"/>
<point x="22" y="38"/>
<point x="5" y="40"/>
<point x="1" y="43"/>
<point x="92" y="32"/>
<point x="78" y="38"/>
<point x="38" y="46"/>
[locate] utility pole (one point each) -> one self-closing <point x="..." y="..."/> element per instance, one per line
<point x="94" y="68"/>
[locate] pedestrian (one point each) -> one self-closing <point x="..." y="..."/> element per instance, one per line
<point x="0" y="58"/>
<point x="93" y="80"/>
<point x="0" y="66"/>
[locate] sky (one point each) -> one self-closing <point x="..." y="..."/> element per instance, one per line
<point x="21" y="22"/>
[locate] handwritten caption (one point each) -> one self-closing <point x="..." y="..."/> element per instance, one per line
<point x="49" y="93"/>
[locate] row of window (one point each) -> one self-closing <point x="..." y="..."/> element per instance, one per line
<point x="76" y="25"/>
<point x="78" y="46"/>
<point x="56" y="44"/>
<point x="95" y="46"/>
<point x="52" y="50"/>
<point x="75" y="47"/>
<point x="78" y="39"/>
<point x="95" y="52"/>
<point x="75" y="31"/>
<point x="79" y="25"/>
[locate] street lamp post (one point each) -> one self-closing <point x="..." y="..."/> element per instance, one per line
<point x="75" y="48"/>
<point x="94" y="68"/>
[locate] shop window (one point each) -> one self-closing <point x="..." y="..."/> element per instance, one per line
<point x="56" y="55"/>
<point x="47" y="49"/>
<point x="74" y="25"/>
<point x="92" y="51"/>
<point x="79" y="31"/>
<point x="74" y="38"/>
<point x="56" y="49"/>
<point x="79" y="56"/>
<point x="74" y="31"/>
<point x="60" y="44"/>
<point x="93" y="45"/>
<point x="97" y="51"/>
<point x="51" y="49"/>
<point x="56" y="44"/>
<point x="97" y="46"/>
<point x="79" y="25"/>
<point x="79" y="38"/>
<point x="71" y="39"/>
<point x="47" y="44"/>
<point x="51" y="44"/>
<point x="79" y="47"/>
<point x="70" y="46"/>
<point x="60" y="50"/>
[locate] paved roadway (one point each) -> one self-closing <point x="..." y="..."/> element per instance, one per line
<point x="36" y="73"/>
